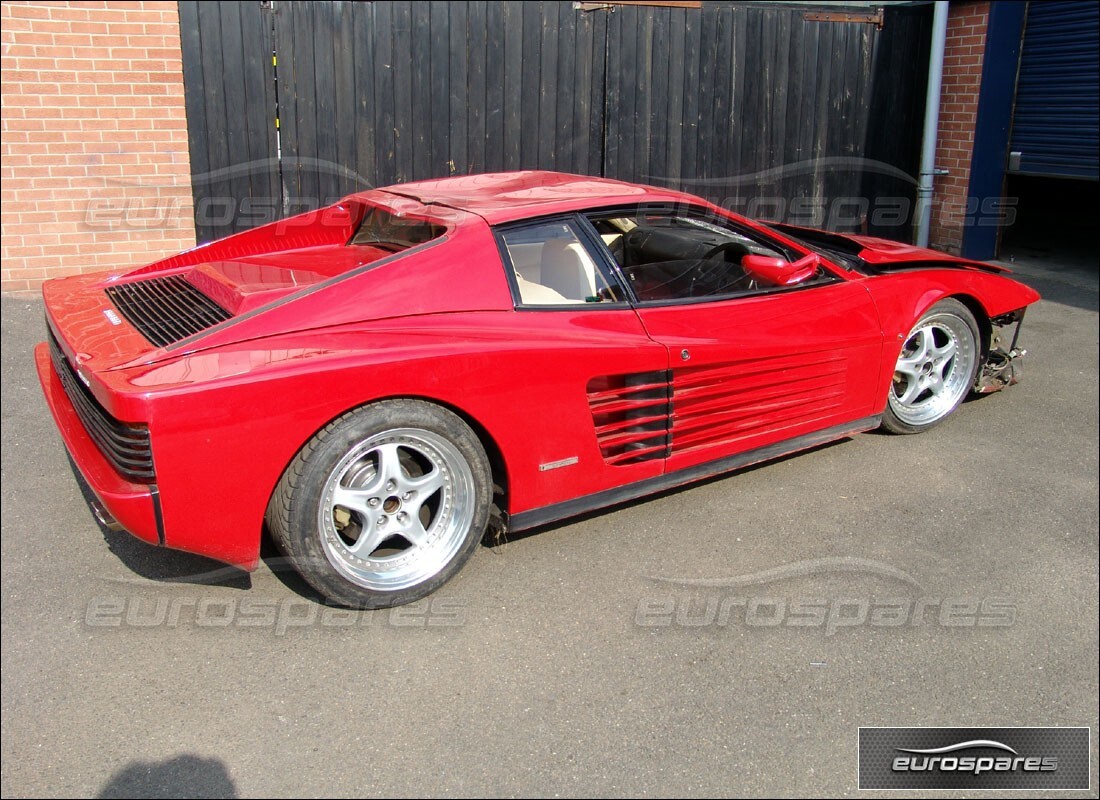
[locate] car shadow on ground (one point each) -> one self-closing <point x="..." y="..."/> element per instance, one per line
<point x="288" y="575"/>
<point x="158" y="563"/>
<point x="495" y="539"/>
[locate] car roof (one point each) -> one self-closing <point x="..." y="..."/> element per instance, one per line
<point x="510" y="196"/>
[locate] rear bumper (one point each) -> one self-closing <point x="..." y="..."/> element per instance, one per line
<point x="122" y="505"/>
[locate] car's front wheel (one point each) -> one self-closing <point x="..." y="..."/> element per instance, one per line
<point x="935" y="370"/>
<point x="385" y="504"/>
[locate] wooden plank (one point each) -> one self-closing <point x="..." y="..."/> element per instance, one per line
<point x="312" y="105"/>
<point x="722" y="97"/>
<point x="708" y="58"/>
<point x="218" y="189"/>
<point x="511" y="32"/>
<point x="258" y="112"/>
<point x="305" y="93"/>
<point x="597" y="91"/>
<point x="385" y="166"/>
<point x="645" y="91"/>
<point x="287" y="76"/>
<point x="529" y="86"/>
<point x="674" y="138"/>
<point x="791" y="153"/>
<point x="581" y="143"/>
<point x="690" y="132"/>
<point x="198" y="130"/>
<point x="777" y="25"/>
<point x="497" y="50"/>
<point x="629" y="77"/>
<point x="420" y="96"/>
<point x="346" y="80"/>
<point x="836" y="124"/>
<point x="460" y="102"/>
<point x="263" y="65"/>
<point x="863" y="90"/>
<point x="547" y="127"/>
<point x="475" y="77"/>
<point x="755" y="111"/>
<point x="404" y="134"/>
<point x="232" y="87"/>
<point x="614" y="88"/>
<point x="655" y="163"/>
<point x="364" y="116"/>
<point x="440" y="158"/>
<point x="820" y="125"/>
<point x="569" y="91"/>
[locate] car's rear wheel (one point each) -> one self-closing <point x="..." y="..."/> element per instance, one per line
<point x="385" y="504"/>
<point x="935" y="370"/>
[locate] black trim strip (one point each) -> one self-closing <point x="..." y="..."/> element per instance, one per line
<point x="632" y="491"/>
<point x="154" y="493"/>
<point x="126" y="446"/>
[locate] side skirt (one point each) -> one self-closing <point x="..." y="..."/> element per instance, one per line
<point x="632" y="491"/>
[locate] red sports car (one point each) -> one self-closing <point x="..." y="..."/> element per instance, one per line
<point x="385" y="379"/>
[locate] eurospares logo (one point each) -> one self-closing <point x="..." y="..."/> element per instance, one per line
<point x="945" y="759"/>
<point x="974" y="758"/>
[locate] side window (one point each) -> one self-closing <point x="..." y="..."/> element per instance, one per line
<point x="670" y="256"/>
<point x="552" y="267"/>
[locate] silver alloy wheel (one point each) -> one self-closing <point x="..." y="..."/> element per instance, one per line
<point x="396" y="509"/>
<point x="934" y="370"/>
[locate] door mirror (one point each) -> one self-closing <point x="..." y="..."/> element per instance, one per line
<point x="777" y="272"/>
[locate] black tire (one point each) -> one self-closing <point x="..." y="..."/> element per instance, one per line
<point x="929" y="383"/>
<point x="375" y="457"/>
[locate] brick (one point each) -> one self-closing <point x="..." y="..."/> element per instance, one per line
<point x="93" y="110"/>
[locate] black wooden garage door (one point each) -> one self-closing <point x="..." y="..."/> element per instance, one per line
<point x="733" y="101"/>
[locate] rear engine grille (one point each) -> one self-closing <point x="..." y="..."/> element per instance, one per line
<point x="167" y="309"/>
<point x="632" y="416"/>
<point x="125" y="446"/>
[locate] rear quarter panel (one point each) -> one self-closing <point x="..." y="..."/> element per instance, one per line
<point x="225" y="423"/>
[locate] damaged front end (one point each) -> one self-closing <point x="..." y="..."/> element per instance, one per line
<point x="1002" y="365"/>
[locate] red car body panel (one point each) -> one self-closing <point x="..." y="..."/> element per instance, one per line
<point x="317" y="328"/>
<point x="757" y="372"/>
<point x="130" y="504"/>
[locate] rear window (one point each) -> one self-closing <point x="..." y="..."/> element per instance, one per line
<point x="384" y="230"/>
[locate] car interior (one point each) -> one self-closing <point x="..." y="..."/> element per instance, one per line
<point x="552" y="267"/>
<point x="669" y="257"/>
<point x="663" y="256"/>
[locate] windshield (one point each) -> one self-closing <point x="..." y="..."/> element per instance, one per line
<point x="835" y="248"/>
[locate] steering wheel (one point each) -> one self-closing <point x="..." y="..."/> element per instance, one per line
<point x="715" y="278"/>
<point x="722" y="248"/>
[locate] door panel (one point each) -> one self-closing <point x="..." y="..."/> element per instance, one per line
<point x="766" y="368"/>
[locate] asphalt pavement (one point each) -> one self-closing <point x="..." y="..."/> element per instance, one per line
<point x="726" y="639"/>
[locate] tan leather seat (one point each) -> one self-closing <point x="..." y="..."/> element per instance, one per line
<point x="535" y="294"/>
<point x="568" y="269"/>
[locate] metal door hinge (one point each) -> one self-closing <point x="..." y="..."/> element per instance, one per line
<point x="868" y="17"/>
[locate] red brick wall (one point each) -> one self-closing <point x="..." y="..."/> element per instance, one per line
<point x="95" y="170"/>
<point x="962" y="79"/>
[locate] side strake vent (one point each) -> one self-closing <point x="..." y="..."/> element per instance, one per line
<point x="166" y="310"/>
<point x="632" y="415"/>
<point x="125" y="446"/>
